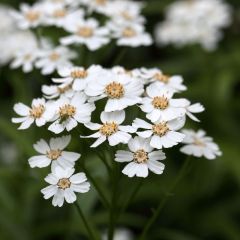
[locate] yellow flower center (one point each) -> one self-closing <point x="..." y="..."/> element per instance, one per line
<point x="67" y="111"/>
<point x="101" y="2"/>
<point x="160" y="129"/>
<point x="32" y="15"/>
<point x="129" y="32"/>
<point x="54" y="154"/>
<point x="140" y="156"/>
<point x="27" y="57"/>
<point x="79" y="74"/>
<point x="62" y="90"/>
<point x="114" y="90"/>
<point x="160" y="102"/>
<point x="126" y="15"/>
<point x="109" y="128"/>
<point x="85" y="32"/>
<point x="54" y="56"/>
<point x="59" y="13"/>
<point x="161" y="77"/>
<point x="198" y="142"/>
<point x="64" y="183"/>
<point x="37" y="111"/>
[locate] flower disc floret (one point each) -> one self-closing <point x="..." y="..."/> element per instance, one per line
<point x="64" y="183"/>
<point x="160" y="129"/>
<point x="140" y="156"/>
<point x="160" y="102"/>
<point x="109" y="129"/>
<point x="115" y="90"/>
<point x="37" y="111"/>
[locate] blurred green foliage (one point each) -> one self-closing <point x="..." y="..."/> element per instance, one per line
<point x="205" y="205"/>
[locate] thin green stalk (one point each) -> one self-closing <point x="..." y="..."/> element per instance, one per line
<point x="156" y="213"/>
<point x="91" y="234"/>
<point x="132" y="196"/>
<point x="98" y="189"/>
<point x="112" y="215"/>
<point x="119" y="56"/>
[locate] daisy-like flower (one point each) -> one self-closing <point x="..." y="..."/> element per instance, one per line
<point x="39" y="112"/>
<point x="130" y="34"/>
<point x="29" y="16"/>
<point x="199" y="145"/>
<point x="70" y="112"/>
<point x="194" y="108"/>
<point x="25" y="58"/>
<point x="121" y="90"/>
<point x="63" y="185"/>
<point x="162" y="134"/>
<point x="174" y="83"/>
<point x="79" y="77"/>
<point x="53" y="153"/>
<point x="86" y="32"/>
<point x="55" y="91"/>
<point x="160" y="106"/>
<point x="110" y="129"/>
<point x="54" y="59"/>
<point x="141" y="158"/>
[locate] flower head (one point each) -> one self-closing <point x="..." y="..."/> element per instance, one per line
<point x="63" y="185"/>
<point x="141" y="158"/>
<point x="53" y="153"/>
<point x="199" y="145"/>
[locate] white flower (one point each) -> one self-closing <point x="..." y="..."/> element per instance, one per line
<point x="53" y="153"/>
<point x="194" y="108"/>
<point x="121" y="90"/>
<point x="86" y="32"/>
<point x="162" y="134"/>
<point x="130" y="34"/>
<point x="55" y="91"/>
<point x="110" y="129"/>
<point x="99" y="6"/>
<point x="29" y="16"/>
<point x="141" y="158"/>
<point x="174" y="83"/>
<point x="59" y="15"/>
<point x="120" y="234"/>
<point x="39" y="112"/>
<point x="64" y="184"/>
<point x="25" y="58"/>
<point x="160" y="106"/>
<point x="70" y="112"/>
<point x="199" y="145"/>
<point x="79" y="77"/>
<point x="126" y="11"/>
<point x="189" y="22"/>
<point x="54" y="59"/>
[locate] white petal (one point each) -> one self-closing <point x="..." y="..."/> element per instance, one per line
<point x="155" y="166"/>
<point x="82" y="188"/>
<point x="119" y="137"/>
<point x="71" y="156"/>
<point x="78" y="178"/>
<point x="21" y="109"/>
<point x="60" y="143"/>
<point x="41" y="146"/>
<point x="39" y="161"/>
<point x="58" y="198"/>
<point x="49" y="191"/>
<point x="99" y="141"/>
<point x="123" y="156"/>
<point x="69" y="195"/>
<point x="132" y="169"/>
<point x="26" y="124"/>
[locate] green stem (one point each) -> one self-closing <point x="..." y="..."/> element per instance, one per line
<point x="112" y="215"/>
<point x="132" y="196"/>
<point x="156" y="213"/>
<point x="119" y="56"/>
<point x="90" y="232"/>
<point x="98" y="189"/>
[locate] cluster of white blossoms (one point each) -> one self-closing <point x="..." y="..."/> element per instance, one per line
<point x="92" y="24"/>
<point x="70" y="103"/>
<point x="12" y="39"/>
<point x="194" y="21"/>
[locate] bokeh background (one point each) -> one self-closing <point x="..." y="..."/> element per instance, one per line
<point x="206" y="203"/>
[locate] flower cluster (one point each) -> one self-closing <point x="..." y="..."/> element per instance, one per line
<point x="12" y="39"/>
<point x="92" y="24"/>
<point x="70" y="103"/>
<point x="194" y="21"/>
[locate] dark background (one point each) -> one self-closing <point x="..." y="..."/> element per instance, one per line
<point x="205" y="205"/>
